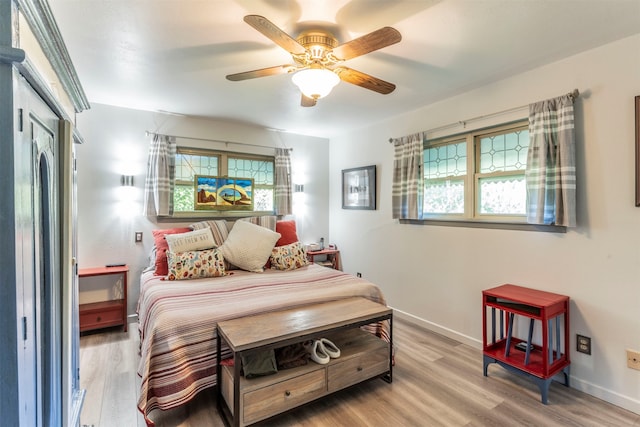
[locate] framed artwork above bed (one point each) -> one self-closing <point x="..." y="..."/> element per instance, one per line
<point x="223" y="193"/>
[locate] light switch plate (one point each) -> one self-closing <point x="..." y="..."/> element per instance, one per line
<point x="138" y="236"/>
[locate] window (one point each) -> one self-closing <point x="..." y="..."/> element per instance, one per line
<point x="445" y="172"/>
<point x="191" y="162"/>
<point x="477" y="175"/>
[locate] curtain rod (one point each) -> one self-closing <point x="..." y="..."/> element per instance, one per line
<point x="147" y="133"/>
<point x="573" y="94"/>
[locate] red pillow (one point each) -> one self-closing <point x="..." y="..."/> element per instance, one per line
<point x="162" y="268"/>
<point x="287" y="230"/>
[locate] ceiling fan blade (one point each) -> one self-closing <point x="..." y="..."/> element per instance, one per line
<point x="275" y="34"/>
<point x="366" y="81"/>
<point x="307" y="101"/>
<point x="263" y="72"/>
<point x="368" y="43"/>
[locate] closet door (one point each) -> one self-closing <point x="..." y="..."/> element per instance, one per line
<point x="37" y="260"/>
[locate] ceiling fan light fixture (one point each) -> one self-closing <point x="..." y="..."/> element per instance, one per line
<point x="315" y="83"/>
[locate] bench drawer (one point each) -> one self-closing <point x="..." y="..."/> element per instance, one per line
<point x="279" y="397"/>
<point x="357" y="369"/>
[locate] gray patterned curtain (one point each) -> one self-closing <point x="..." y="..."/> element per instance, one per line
<point x="283" y="182"/>
<point x="161" y="170"/>
<point x="551" y="166"/>
<point x="406" y="197"/>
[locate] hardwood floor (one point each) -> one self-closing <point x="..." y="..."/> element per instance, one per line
<point x="108" y="363"/>
<point x="436" y="382"/>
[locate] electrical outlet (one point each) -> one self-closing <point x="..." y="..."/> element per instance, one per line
<point x="633" y="359"/>
<point x="583" y="344"/>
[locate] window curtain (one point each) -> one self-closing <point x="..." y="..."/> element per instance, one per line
<point x="408" y="180"/>
<point x="283" y="182"/>
<point x="551" y="166"/>
<point x="161" y="170"/>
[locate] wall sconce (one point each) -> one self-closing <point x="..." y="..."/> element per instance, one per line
<point x="298" y="188"/>
<point x="126" y="180"/>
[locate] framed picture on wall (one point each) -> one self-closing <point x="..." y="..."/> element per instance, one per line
<point x="359" y="188"/>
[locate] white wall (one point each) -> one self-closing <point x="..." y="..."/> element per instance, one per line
<point x="436" y="274"/>
<point x="109" y="215"/>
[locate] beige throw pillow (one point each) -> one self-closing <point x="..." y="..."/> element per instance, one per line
<point x="249" y="246"/>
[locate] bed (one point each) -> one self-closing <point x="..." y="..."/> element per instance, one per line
<point x="177" y="321"/>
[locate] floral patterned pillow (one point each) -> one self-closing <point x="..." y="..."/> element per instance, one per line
<point x="289" y="257"/>
<point x="195" y="264"/>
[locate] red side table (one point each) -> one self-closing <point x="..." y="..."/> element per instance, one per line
<point x="332" y="257"/>
<point x="103" y="314"/>
<point x="538" y="362"/>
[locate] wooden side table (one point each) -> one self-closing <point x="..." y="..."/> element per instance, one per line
<point x="103" y="314"/>
<point x="332" y="257"/>
<point x="538" y="362"/>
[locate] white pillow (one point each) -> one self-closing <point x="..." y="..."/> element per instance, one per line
<point x="190" y="241"/>
<point x="249" y="246"/>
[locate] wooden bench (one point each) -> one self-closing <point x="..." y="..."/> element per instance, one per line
<point x="363" y="356"/>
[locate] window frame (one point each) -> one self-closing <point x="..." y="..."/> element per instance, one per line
<point x="477" y="136"/>
<point x="471" y="216"/>
<point x="440" y="142"/>
<point x="223" y="163"/>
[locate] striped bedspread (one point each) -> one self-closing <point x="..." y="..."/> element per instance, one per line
<point x="177" y="322"/>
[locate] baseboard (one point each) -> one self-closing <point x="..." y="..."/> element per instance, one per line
<point x="449" y="333"/>
<point x="612" y="397"/>
<point x="609" y="396"/>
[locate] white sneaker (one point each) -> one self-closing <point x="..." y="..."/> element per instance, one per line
<point x="317" y="352"/>
<point x="330" y="348"/>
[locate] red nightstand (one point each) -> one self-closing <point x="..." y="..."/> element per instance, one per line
<point x="97" y="315"/>
<point x="538" y="362"/>
<point x="332" y="258"/>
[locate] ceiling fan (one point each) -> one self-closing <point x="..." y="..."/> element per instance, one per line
<point x="317" y="59"/>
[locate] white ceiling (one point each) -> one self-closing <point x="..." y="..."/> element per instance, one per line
<point x="173" y="55"/>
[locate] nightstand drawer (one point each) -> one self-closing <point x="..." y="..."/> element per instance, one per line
<point x="101" y="315"/>
<point x="284" y="395"/>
